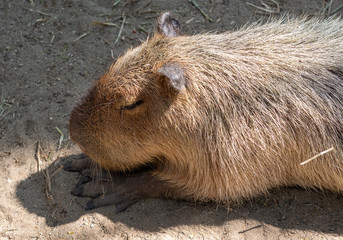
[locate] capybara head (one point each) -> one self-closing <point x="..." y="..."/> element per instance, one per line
<point x="227" y="115"/>
<point x="130" y="113"/>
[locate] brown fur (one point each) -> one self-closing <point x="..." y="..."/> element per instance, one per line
<point x="257" y="102"/>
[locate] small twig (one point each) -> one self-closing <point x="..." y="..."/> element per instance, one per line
<point x="82" y="36"/>
<point x="196" y="5"/>
<point x="61" y="137"/>
<point x="47" y="182"/>
<point x="249" y="229"/>
<point x="41" y="20"/>
<point x="38" y="153"/>
<point x="189" y="20"/>
<point x="56" y="171"/>
<point x="52" y="39"/>
<point x="319" y="154"/>
<point x="107" y="42"/>
<point x="40" y="12"/>
<point x="43" y="13"/>
<point x="120" y="30"/>
<point x="107" y="24"/>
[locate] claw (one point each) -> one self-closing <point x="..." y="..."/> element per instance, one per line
<point x="90" y="205"/>
<point x="76" y="163"/>
<point x="83" y="180"/>
<point x="68" y="166"/>
<point x="124" y="205"/>
<point x="78" y="191"/>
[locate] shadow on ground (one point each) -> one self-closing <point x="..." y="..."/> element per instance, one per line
<point x="286" y="208"/>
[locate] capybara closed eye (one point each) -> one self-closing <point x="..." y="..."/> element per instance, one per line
<point x="222" y="116"/>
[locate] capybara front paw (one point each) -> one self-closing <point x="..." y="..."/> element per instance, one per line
<point x="105" y="192"/>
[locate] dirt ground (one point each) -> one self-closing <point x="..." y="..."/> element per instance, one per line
<point x="51" y="51"/>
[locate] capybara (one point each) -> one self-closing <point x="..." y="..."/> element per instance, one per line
<point x="220" y="117"/>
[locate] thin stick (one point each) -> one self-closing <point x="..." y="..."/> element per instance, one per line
<point x="47" y="181"/>
<point x="52" y="39"/>
<point x="319" y="154"/>
<point x="38" y="156"/>
<point x="189" y="20"/>
<point x="249" y="229"/>
<point x="40" y="12"/>
<point x="48" y="185"/>
<point x="56" y="171"/>
<point x="105" y="24"/>
<point x="82" y="36"/>
<point x="43" y="13"/>
<point x="120" y="30"/>
<point x="196" y="5"/>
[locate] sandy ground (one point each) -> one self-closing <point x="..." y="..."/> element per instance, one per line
<point x="50" y="54"/>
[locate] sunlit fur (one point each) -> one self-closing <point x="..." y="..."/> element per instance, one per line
<point x="257" y="103"/>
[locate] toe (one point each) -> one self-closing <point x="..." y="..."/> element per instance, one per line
<point x="92" y="189"/>
<point x="77" y="163"/>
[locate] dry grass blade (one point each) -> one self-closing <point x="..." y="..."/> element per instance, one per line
<point x="61" y="137"/>
<point x="319" y="154"/>
<point x="82" y="36"/>
<point x="149" y="11"/>
<point x="120" y="30"/>
<point x="107" y="24"/>
<point x="43" y="13"/>
<point x="336" y="10"/>
<point x="196" y="5"/>
<point x="143" y="29"/>
<point x="116" y="3"/>
<point x="267" y="9"/>
<point x="4" y="107"/>
<point x="327" y="8"/>
<point x="189" y="20"/>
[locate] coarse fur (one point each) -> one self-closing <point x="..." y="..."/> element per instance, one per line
<point x="253" y="105"/>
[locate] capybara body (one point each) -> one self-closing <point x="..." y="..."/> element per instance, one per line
<point x="223" y="116"/>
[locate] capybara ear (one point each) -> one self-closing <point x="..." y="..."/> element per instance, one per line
<point x="167" y="25"/>
<point x="174" y="74"/>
